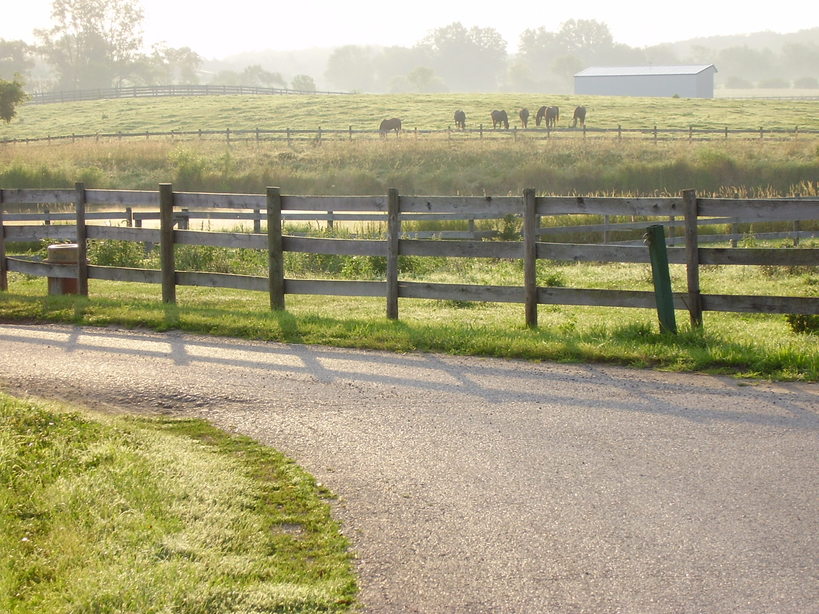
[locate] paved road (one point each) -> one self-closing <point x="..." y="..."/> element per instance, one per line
<point x="478" y="485"/>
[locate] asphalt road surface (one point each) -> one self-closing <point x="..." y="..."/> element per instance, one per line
<point x="471" y="485"/>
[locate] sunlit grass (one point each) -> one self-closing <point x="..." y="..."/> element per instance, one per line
<point x="115" y="514"/>
<point x="745" y="345"/>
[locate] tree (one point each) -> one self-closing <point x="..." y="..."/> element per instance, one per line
<point x="258" y="76"/>
<point x="304" y="83"/>
<point x="351" y="68"/>
<point x="93" y="43"/>
<point x="468" y="60"/>
<point x="11" y="95"/>
<point x="587" y="39"/>
<point x="420" y="80"/>
<point x="181" y="65"/>
<point x="392" y="65"/>
<point x="15" y="59"/>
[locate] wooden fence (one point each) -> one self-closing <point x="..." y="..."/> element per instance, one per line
<point x="481" y="133"/>
<point x="393" y="210"/>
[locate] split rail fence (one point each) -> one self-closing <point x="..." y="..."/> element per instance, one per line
<point x="393" y="209"/>
<point x="480" y="133"/>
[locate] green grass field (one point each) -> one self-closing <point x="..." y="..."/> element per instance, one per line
<point x="424" y="112"/>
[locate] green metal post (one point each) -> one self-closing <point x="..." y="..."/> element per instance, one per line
<point x="655" y="237"/>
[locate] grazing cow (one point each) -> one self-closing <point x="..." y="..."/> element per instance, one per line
<point x="460" y="120"/>
<point x="579" y="116"/>
<point x="524" y="117"/>
<point x="500" y="117"/>
<point x="387" y="125"/>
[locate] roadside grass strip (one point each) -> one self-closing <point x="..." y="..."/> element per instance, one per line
<point x="106" y="514"/>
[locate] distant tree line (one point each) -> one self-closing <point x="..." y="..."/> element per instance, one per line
<point x="99" y="44"/>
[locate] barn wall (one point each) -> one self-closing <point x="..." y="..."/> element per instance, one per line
<point x="686" y="86"/>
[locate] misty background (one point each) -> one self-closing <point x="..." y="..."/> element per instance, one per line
<point x="99" y="44"/>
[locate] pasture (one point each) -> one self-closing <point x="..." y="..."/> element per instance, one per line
<point x="417" y="111"/>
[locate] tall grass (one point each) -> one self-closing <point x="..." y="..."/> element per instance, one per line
<point x="496" y="168"/>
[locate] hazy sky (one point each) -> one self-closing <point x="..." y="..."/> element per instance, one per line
<point x="216" y="29"/>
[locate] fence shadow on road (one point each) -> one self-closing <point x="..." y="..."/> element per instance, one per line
<point x="488" y="381"/>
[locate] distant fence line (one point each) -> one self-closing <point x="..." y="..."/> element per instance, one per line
<point x="155" y="91"/>
<point x="320" y="134"/>
<point x="394" y="209"/>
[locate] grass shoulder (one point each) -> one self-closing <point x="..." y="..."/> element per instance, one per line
<point x="142" y="514"/>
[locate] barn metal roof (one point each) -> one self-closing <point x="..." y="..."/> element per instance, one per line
<point x="622" y="71"/>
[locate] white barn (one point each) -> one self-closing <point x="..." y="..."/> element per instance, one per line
<point x="662" y="81"/>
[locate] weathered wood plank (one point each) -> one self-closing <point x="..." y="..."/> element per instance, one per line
<point x="328" y="287"/>
<point x="222" y="280"/>
<point x="196" y="200"/>
<point x="41" y="269"/>
<point x="761" y="304"/>
<point x="494" y="206"/>
<point x="759" y="256"/>
<point x="29" y="196"/>
<point x="581" y="252"/>
<point x="130" y="198"/>
<point x="461" y="292"/>
<point x="338" y="247"/>
<point x="37" y="233"/>
<point x="393" y="246"/>
<point x="4" y="278"/>
<point x="599" y="297"/>
<point x="81" y="240"/>
<point x="237" y="240"/>
<point x="166" y="243"/>
<point x="144" y="235"/>
<point x="691" y="212"/>
<point x="145" y="276"/>
<point x="530" y="220"/>
<point x="759" y="210"/>
<point x="560" y="205"/>
<point x="462" y="249"/>
<point x="335" y="203"/>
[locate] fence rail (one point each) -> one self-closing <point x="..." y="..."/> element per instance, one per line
<point x="394" y="210"/>
<point x="319" y="134"/>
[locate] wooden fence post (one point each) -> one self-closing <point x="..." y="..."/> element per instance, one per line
<point x="692" y="258"/>
<point x="166" y="243"/>
<point x="393" y="234"/>
<point x="275" y="252"/>
<point x="4" y="276"/>
<point x="257" y="221"/>
<point x="530" y="256"/>
<point x="82" y="241"/>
